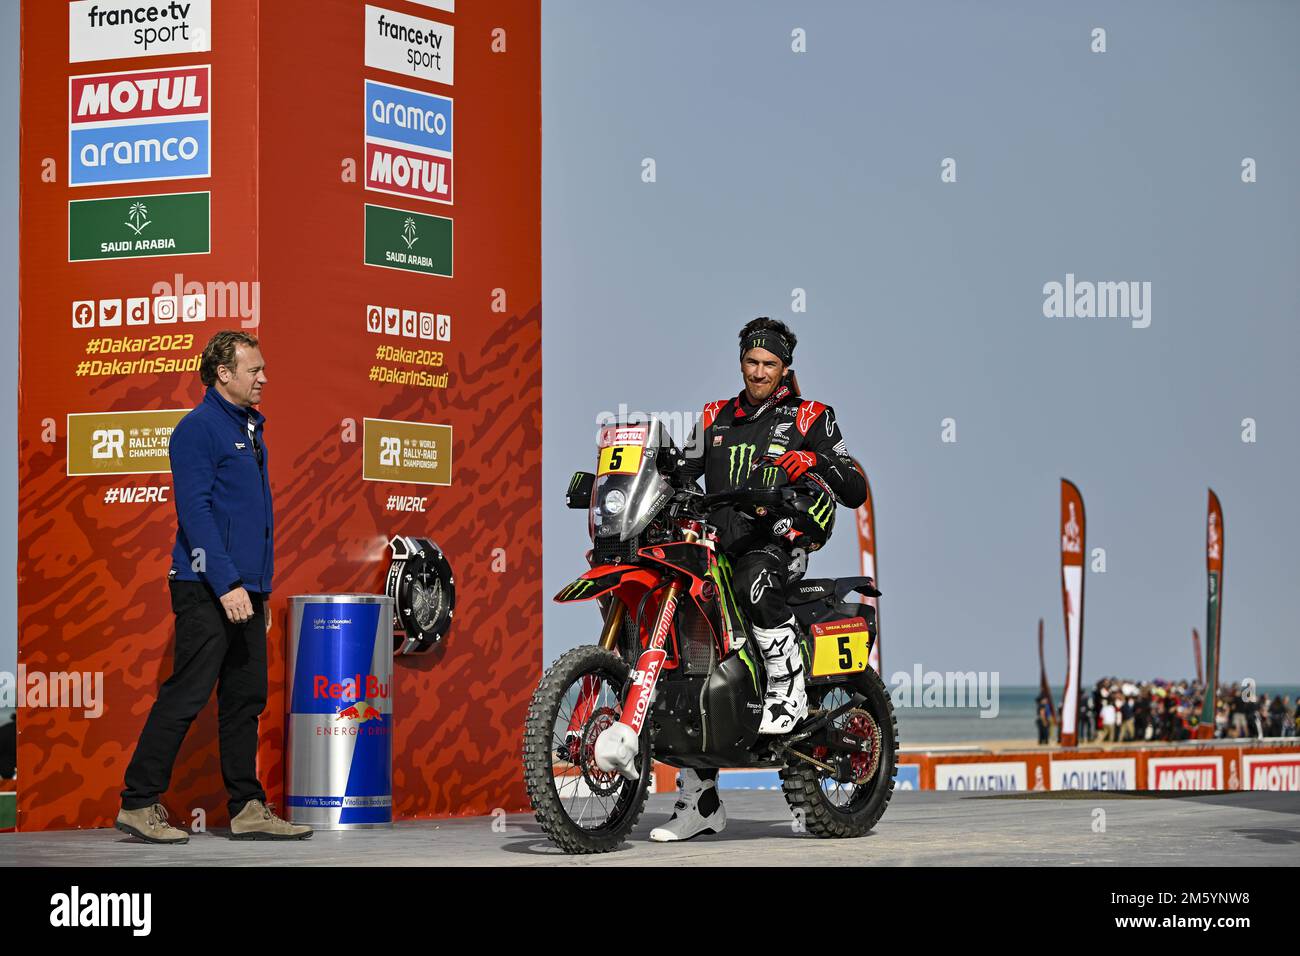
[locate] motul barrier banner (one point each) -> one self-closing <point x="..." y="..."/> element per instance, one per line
<point x="1072" y="538"/>
<point x="1269" y="766"/>
<point x="1271" y="772"/>
<point x="1185" y="773"/>
<point x="401" y="400"/>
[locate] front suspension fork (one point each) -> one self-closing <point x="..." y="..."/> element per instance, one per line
<point x="650" y="664"/>
<point x="590" y="692"/>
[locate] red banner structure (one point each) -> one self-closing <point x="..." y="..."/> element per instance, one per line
<point x="359" y="185"/>
<point x="1072" y="538"/>
<point x="1213" y="612"/>
<point x="866" y="515"/>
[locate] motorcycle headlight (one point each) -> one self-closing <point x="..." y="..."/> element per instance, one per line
<point x="614" y="502"/>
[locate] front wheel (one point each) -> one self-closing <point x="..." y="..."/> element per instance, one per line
<point x="582" y="808"/>
<point x="831" y="808"/>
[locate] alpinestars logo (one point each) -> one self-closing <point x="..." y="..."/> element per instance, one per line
<point x="760" y="585"/>
<point x="740" y="462"/>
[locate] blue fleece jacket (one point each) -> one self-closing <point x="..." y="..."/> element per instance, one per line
<point x="224" y="533"/>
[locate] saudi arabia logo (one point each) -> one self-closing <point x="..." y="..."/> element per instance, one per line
<point x="137" y="217"/>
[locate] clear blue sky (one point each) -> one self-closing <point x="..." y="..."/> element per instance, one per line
<point x="821" y="171"/>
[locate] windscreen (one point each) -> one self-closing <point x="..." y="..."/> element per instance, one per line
<point x="629" y="490"/>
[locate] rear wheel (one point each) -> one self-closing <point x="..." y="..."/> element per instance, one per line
<point x="582" y="808"/>
<point x="830" y="807"/>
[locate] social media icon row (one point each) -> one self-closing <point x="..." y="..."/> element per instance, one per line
<point x="408" y="323"/>
<point x="161" y="310"/>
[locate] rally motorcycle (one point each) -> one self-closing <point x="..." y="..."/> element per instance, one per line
<point x="676" y="676"/>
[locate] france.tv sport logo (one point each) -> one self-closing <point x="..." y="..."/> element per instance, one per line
<point x="139" y="126"/>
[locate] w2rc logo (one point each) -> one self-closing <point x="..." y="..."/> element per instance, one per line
<point x="139" y="126"/>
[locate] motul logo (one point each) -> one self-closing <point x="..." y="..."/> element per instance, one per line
<point x="405" y="172"/>
<point x="1275" y="776"/>
<point x="1186" y="778"/>
<point x="145" y="95"/>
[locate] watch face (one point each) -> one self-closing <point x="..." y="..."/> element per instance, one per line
<point x="428" y="599"/>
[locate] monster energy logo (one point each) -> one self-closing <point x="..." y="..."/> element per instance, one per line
<point x="576" y="590"/>
<point x="769" y="475"/>
<point x="753" y="674"/>
<point x="722" y="577"/>
<point x="740" y="460"/>
<point x="821" y="510"/>
<point x="577" y="477"/>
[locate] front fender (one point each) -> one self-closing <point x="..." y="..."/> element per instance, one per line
<point x="604" y="578"/>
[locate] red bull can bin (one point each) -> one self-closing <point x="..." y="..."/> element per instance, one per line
<point x="340" y="720"/>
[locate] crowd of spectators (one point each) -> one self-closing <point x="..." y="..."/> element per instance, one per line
<point x="1122" y="711"/>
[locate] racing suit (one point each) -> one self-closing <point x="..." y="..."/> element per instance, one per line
<point x="730" y="437"/>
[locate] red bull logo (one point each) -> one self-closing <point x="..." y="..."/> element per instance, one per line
<point x="357" y="687"/>
<point x="361" y="711"/>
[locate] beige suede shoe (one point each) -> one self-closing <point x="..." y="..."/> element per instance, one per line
<point x="257" y="822"/>
<point x="150" y="824"/>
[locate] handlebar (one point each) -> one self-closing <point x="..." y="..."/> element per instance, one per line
<point x="699" y="505"/>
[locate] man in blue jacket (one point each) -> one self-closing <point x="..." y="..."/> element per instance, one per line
<point x="220" y="579"/>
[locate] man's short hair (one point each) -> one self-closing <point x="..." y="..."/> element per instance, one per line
<point x="220" y="350"/>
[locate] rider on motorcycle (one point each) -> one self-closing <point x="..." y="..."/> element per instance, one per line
<point x="768" y="433"/>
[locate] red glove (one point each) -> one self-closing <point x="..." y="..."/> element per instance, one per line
<point x="796" y="463"/>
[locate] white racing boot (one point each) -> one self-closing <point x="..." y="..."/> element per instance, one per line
<point x="617" y="748"/>
<point x="698" y="810"/>
<point x="786" y="702"/>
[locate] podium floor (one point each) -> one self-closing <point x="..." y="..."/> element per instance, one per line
<point x="920" y="828"/>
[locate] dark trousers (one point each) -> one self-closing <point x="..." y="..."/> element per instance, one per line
<point x="210" y="652"/>
<point x="759" y="576"/>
